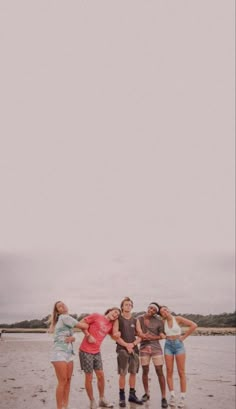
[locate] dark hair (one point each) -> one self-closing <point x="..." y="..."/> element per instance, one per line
<point x="157" y="305"/>
<point x="160" y="307"/>
<point x="123" y="301"/>
<point x="111" y="309"/>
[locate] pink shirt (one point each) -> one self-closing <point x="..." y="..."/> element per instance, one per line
<point x="99" y="327"/>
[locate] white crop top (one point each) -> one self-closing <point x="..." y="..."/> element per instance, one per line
<point x="175" y="330"/>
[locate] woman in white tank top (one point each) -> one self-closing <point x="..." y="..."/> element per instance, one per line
<point x="174" y="348"/>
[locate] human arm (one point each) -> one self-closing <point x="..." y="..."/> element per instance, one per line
<point x="70" y="339"/>
<point x="139" y="331"/>
<point x="82" y="325"/>
<point x="151" y="337"/>
<point x="85" y="326"/>
<point x="128" y="345"/>
<point x="162" y="330"/>
<point x="115" y="334"/>
<point x="148" y="336"/>
<point x="137" y="341"/>
<point x="70" y="322"/>
<point x="187" y="323"/>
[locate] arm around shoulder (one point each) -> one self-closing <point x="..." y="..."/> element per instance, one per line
<point x="139" y="330"/>
<point x="115" y="330"/>
<point x="82" y="325"/>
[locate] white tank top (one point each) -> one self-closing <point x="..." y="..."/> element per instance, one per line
<point x="175" y="330"/>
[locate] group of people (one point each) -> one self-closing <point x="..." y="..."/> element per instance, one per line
<point x="146" y="331"/>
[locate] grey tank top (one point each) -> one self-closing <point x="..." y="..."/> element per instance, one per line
<point x="127" y="327"/>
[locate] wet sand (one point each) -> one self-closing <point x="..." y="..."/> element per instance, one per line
<point x="27" y="379"/>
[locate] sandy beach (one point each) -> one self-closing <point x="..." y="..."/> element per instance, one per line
<point x="28" y="382"/>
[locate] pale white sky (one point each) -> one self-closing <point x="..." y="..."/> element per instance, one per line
<point x="117" y="155"/>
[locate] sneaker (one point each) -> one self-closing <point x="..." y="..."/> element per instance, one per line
<point x="93" y="404"/>
<point x="164" y="403"/>
<point x="145" y="397"/>
<point x="172" y="401"/>
<point x="103" y="403"/>
<point x="133" y="398"/>
<point x="181" y="403"/>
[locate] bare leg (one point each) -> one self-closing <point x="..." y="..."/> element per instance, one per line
<point x="169" y="369"/>
<point x="145" y="378"/>
<point x="122" y="381"/>
<point x="88" y="385"/>
<point x="61" y="373"/>
<point x="67" y="387"/>
<point x="132" y="380"/>
<point x="180" y="361"/>
<point x="100" y="383"/>
<point x="161" y="379"/>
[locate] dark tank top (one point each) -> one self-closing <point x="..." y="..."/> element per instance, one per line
<point x="127" y="328"/>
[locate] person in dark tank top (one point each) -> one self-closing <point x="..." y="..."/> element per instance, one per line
<point x="127" y="351"/>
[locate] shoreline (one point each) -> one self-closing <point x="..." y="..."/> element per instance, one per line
<point x="214" y="331"/>
<point x="200" y="331"/>
<point x="27" y="378"/>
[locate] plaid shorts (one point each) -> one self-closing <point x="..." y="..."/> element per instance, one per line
<point x="90" y="362"/>
<point x="148" y="352"/>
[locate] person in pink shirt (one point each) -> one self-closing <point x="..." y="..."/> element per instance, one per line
<point x="90" y="355"/>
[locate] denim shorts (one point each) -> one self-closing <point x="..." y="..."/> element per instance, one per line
<point x="174" y="347"/>
<point x="59" y="356"/>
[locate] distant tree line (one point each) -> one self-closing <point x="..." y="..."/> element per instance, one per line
<point x="36" y="323"/>
<point x="209" y="321"/>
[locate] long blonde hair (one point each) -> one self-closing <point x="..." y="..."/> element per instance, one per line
<point x="53" y="318"/>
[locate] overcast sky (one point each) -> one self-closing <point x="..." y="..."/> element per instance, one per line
<point x="117" y="155"/>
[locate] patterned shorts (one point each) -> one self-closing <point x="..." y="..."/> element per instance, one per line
<point x="148" y="353"/>
<point x="90" y="362"/>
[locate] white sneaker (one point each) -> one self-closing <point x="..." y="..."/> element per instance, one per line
<point x="172" y="401"/>
<point x="93" y="404"/>
<point x="181" y="403"/>
<point x="103" y="403"/>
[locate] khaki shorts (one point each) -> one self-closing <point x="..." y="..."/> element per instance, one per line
<point x="157" y="359"/>
<point x="127" y="362"/>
